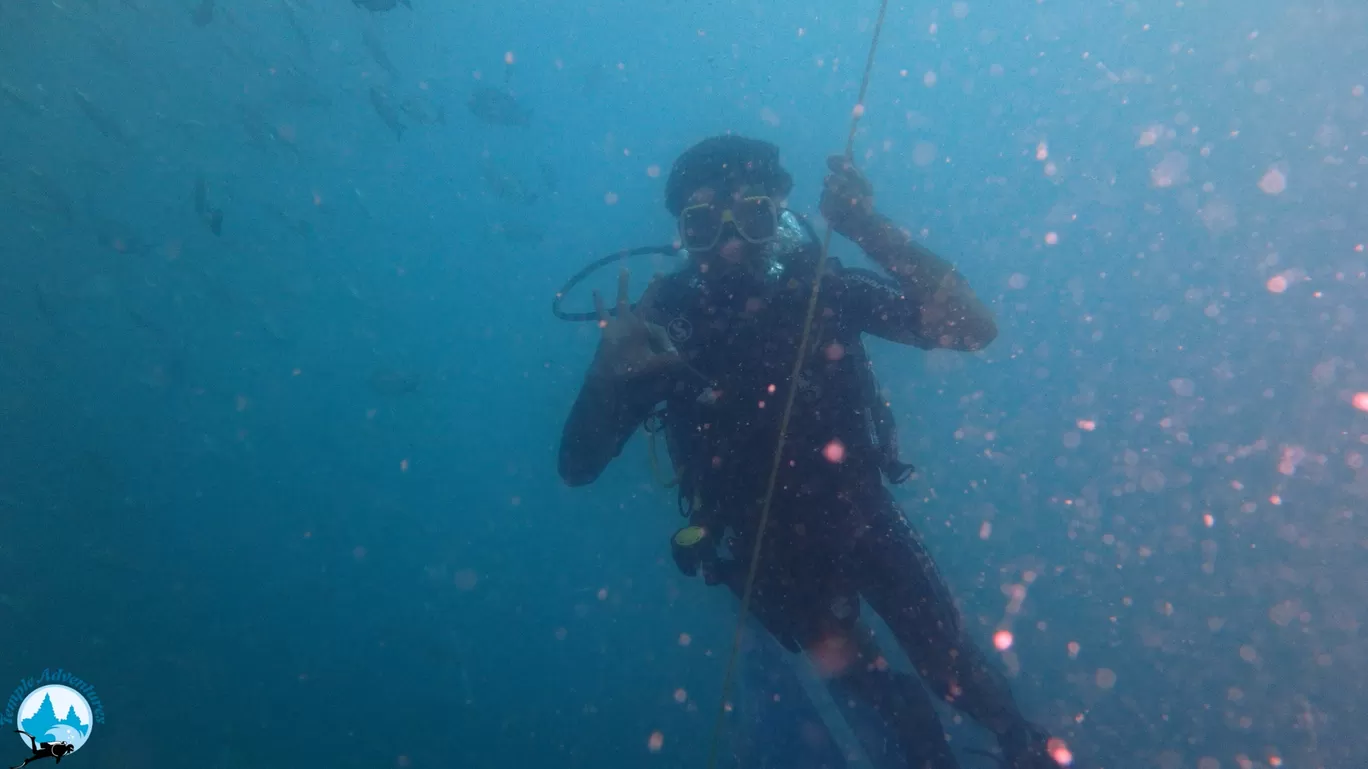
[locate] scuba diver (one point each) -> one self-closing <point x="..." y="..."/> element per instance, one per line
<point x="44" y="750"/>
<point x="715" y="342"/>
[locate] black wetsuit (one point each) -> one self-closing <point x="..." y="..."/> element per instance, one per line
<point x="835" y="532"/>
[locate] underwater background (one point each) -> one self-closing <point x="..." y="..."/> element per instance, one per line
<point x="280" y="389"/>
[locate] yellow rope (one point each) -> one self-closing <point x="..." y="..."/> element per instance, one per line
<point x="798" y="362"/>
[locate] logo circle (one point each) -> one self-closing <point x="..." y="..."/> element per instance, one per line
<point x="55" y="713"/>
<point x="680" y="329"/>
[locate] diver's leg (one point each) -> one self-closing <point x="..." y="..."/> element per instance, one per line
<point x="900" y="705"/>
<point x="901" y="582"/>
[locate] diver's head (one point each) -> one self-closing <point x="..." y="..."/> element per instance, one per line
<point x="726" y="193"/>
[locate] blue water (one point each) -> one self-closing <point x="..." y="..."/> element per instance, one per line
<point x="287" y="496"/>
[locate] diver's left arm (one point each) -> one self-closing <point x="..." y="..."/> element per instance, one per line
<point x="935" y="306"/>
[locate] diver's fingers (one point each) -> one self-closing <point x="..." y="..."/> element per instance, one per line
<point x="600" y="309"/>
<point x="624" y="303"/>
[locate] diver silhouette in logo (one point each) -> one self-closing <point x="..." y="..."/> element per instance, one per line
<point x="44" y="750"/>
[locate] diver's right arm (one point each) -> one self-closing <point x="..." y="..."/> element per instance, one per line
<point x="606" y="413"/>
<point x="634" y="368"/>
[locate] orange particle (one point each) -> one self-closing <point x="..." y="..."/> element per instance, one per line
<point x="508" y="57"/>
<point x="834" y="452"/>
<point x="1275" y="499"/>
<point x="685" y="639"/>
<point x="1208" y="520"/>
<point x="1087" y="425"/>
<point x="1361" y="401"/>
<point x="1073" y="650"/>
<point x="681" y="696"/>
<point x="1277" y="284"/>
<point x="1002" y="640"/>
<point x="656" y="742"/>
<point x="1059" y="751"/>
<point x="1275" y="760"/>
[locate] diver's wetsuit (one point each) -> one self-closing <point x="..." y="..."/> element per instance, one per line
<point x="835" y="532"/>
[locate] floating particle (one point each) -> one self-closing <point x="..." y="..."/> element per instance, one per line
<point x="1361" y="401"/>
<point x="655" y="742"/>
<point x="685" y="639"/>
<point x="834" y="452"/>
<point x="1002" y="640"/>
<point x="1274" y="182"/>
<point x="1073" y="650"/>
<point x="403" y="465"/>
<point x="929" y="79"/>
<point x="1087" y="425"/>
<point x="681" y="696"/>
<point x="653" y="171"/>
<point x="1106" y="678"/>
<point x="923" y="153"/>
<point x="603" y="594"/>
<point x="1276" y="284"/>
<point x="1208" y="520"/>
<point x="610" y="198"/>
<point x="1170" y="171"/>
<point x="1059" y="751"/>
<point x="508" y="58"/>
<point x="1017" y="281"/>
<point x="985" y="530"/>
<point x="1183" y="388"/>
<point x="1051" y="238"/>
<point x="466" y="579"/>
<point x="857" y="111"/>
<point x="1042" y="151"/>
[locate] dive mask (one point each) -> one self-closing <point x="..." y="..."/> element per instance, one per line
<point x="755" y="219"/>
